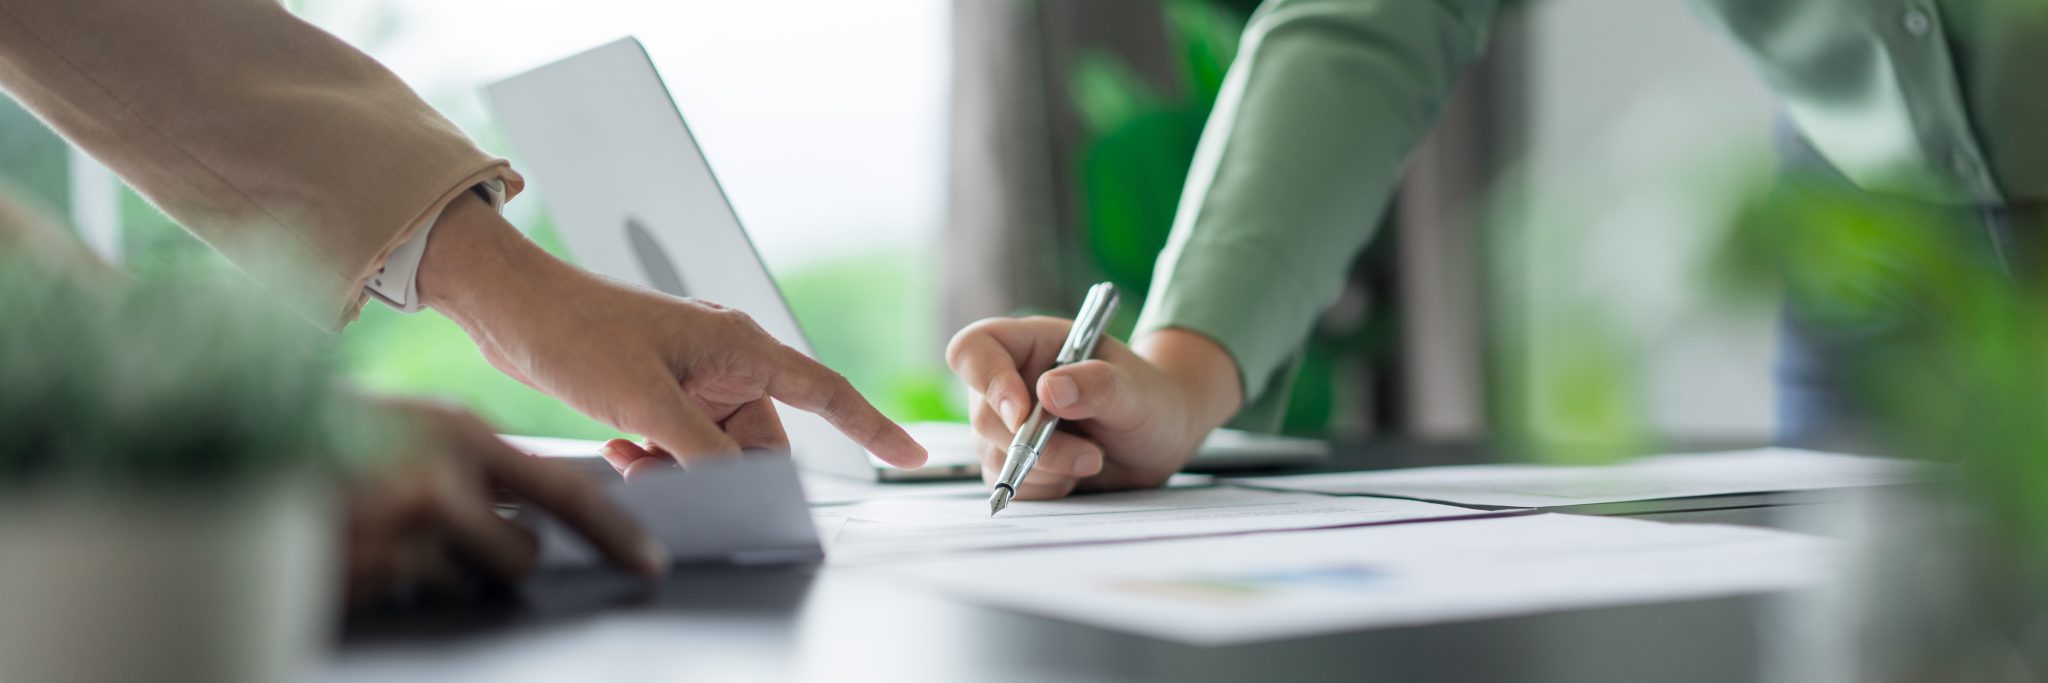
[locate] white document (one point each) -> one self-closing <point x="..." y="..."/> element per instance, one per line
<point x="819" y="488"/>
<point x="745" y="510"/>
<point x="1234" y="589"/>
<point x="1653" y="478"/>
<point x="554" y="446"/>
<point x="578" y="454"/>
<point x="897" y="527"/>
<point x="826" y="489"/>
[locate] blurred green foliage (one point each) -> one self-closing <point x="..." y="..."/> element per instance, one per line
<point x="384" y="350"/>
<point x="1942" y="332"/>
<point x="427" y="354"/>
<point x="870" y="316"/>
<point x="139" y="383"/>
<point x="1140" y="145"/>
<point x="1142" y="141"/>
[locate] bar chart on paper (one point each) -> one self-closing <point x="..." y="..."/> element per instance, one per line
<point x="1212" y="591"/>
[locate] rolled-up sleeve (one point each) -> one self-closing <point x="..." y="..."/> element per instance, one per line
<point x="1301" y="153"/>
<point x="296" y="156"/>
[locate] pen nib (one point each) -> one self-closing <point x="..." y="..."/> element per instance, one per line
<point x="998" y="500"/>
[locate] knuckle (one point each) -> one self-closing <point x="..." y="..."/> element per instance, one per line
<point x="989" y="427"/>
<point x="1094" y="374"/>
<point x="1053" y="330"/>
<point x="839" y="394"/>
<point x="984" y="415"/>
<point x="956" y="348"/>
<point x="1046" y="320"/>
<point x="782" y="357"/>
<point x="837" y="383"/>
<point x="722" y="315"/>
<point x="442" y="409"/>
<point x="741" y="324"/>
<point x="741" y="319"/>
<point x="959" y="349"/>
<point x="995" y="386"/>
<point x="1152" y="479"/>
<point x="1047" y="480"/>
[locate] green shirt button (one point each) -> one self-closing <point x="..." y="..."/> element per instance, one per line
<point x="1917" y="22"/>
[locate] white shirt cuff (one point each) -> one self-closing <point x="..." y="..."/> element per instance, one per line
<point x="397" y="281"/>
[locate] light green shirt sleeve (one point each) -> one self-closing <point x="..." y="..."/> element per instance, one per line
<point x="1300" y="156"/>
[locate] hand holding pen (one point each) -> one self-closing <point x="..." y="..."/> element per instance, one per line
<point x="1031" y="439"/>
<point x="1130" y="417"/>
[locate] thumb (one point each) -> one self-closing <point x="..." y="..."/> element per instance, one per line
<point x="1089" y="390"/>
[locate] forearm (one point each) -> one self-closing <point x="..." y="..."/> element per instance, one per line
<point x="1296" y="166"/>
<point x="298" y="157"/>
<point x="1204" y="377"/>
<point x="696" y="378"/>
<point x="478" y="266"/>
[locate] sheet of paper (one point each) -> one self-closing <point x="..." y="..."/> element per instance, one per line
<point x="945" y="444"/>
<point x="898" y="527"/>
<point x="746" y="510"/>
<point x="1234" y="589"/>
<point x="819" y="489"/>
<point x="826" y="489"/>
<point x="580" y="454"/>
<point x="1651" y="478"/>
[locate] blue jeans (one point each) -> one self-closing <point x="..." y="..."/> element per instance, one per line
<point x="1817" y="407"/>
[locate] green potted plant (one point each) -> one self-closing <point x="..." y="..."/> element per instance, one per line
<point x="1937" y="334"/>
<point x="166" y="462"/>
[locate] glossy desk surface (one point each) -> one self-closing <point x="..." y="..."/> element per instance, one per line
<point x="819" y="623"/>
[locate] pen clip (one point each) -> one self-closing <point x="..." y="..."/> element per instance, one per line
<point x="1089" y="324"/>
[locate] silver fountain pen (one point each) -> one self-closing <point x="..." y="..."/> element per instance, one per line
<point x="1037" y="429"/>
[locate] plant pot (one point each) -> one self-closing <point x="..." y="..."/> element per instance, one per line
<point x="223" y="583"/>
<point x="1928" y="591"/>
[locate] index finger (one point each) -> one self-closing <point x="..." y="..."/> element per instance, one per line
<point x="807" y="385"/>
<point x="1019" y="345"/>
<point x="991" y="365"/>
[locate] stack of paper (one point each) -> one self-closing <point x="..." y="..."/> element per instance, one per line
<point x="908" y="526"/>
<point x="1185" y="563"/>
<point x="1256" y="587"/>
<point x="1653" y="478"/>
<point x="827" y="489"/>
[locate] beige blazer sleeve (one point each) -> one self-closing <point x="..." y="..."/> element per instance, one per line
<point x="298" y="157"/>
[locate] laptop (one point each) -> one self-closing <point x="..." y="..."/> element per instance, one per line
<point x="634" y="199"/>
